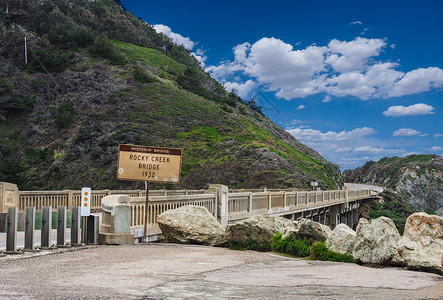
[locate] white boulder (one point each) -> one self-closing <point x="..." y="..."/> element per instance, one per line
<point x="421" y="246"/>
<point x="259" y="229"/>
<point x="342" y="239"/>
<point x="191" y="224"/>
<point x="376" y="241"/>
<point x="312" y="230"/>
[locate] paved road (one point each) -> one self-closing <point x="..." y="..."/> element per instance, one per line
<point x="358" y="186"/>
<point x="168" y="271"/>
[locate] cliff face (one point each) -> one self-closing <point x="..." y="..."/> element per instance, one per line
<point x="418" y="179"/>
<point x="97" y="77"/>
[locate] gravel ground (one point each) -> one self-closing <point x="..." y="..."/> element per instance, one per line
<point x="169" y="271"/>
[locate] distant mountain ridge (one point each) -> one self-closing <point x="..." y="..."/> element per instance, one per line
<point x="97" y="77"/>
<point x="417" y="179"/>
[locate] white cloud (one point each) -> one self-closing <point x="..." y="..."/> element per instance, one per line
<point x="377" y="150"/>
<point x="301" y="106"/>
<point x="312" y="135"/>
<point x="369" y="149"/>
<point x="418" y="80"/>
<point x="241" y="89"/>
<point x="349" y="148"/>
<point x="356" y="22"/>
<point x="438" y="135"/>
<point x="353" y="55"/>
<point x="327" y="99"/>
<point x="186" y="42"/>
<point x="345" y="149"/>
<point x="406" y="132"/>
<point x="435" y="148"/>
<point x="200" y="56"/>
<point x="416" y="109"/>
<point x="342" y="68"/>
<point x="176" y="38"/>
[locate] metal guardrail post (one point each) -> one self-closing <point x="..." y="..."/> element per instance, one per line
<point x="93" y="230"/>
<point x="46" y="227"/>
<point x="75" y="226"/>
<point x="30" y="229"/>
<point x="61" y="226"/>
<point x="11" y="234"/>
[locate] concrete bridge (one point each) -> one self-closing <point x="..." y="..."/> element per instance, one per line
<point x="227" y="205"/>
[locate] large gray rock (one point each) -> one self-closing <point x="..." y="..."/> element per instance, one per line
<point x="342" y="239"/>
<point x="258" y="228"/>
<point x="421" y="246"/>
<point x="191" y="224"/>
<point x="312" y="230"/>
<point x="376" y="241"/>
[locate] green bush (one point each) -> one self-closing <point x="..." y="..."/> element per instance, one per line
<point x="103" y="48"/>
<point x="47" y="57"/>
<point x="320" y="251"/>
<point x="290" y="245"/>
<point x="82" y="37"/>
<point x="250" y="245"/>
<point x="65" y="114"/>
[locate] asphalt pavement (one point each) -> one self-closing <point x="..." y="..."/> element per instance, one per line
<point x="170" y="271"/>
<point x="359" y="186"/>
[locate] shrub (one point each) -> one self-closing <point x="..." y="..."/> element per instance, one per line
<point x="320" y="251"/>
<point x="290" y="245"/>
<point x="65" y="114"/>
<point x="103" y="48"/>
<point x="250" y="245"/>
<point x="82" y="37"/>
<point x="47" y="57"/>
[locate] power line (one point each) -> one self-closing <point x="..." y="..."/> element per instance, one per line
<point x="52" y="78"/>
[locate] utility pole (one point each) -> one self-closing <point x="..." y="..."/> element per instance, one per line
<point x="26" y="52"/>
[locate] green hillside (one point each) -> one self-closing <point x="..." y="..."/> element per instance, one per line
<point x="98" y="77"/>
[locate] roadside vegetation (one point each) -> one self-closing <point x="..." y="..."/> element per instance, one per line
<point x="294" y="247"/>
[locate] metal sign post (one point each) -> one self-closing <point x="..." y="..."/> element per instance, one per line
<point x="145" y="231"/>
<point x="85" y="211"/>
<point x="148" y="164"/>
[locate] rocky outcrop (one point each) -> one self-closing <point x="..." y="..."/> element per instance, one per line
<point x="259" y="229"/>
<point x="376" y="241"/>
<point x="415" y="178"/>
<point x="311" y="230"/>
<point x="421" y="246"/>
<point x="342" y="239"/>
<point x="191" y="225"/>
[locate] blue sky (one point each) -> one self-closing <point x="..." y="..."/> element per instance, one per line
<point x="354" y="80"/>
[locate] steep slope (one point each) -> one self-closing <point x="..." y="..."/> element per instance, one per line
<point x="413" y="183"/>
<point x="98" y="77"/>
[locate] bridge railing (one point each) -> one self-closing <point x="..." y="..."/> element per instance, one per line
<point x="242" y="205"/>
<point x="238" y="204"/>
<point x="160" y="204"/>
<point x="70" y="198"/>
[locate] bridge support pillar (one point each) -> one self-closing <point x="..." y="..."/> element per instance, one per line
<point x="334" y="216"/>
<point x="222" y="203"/>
